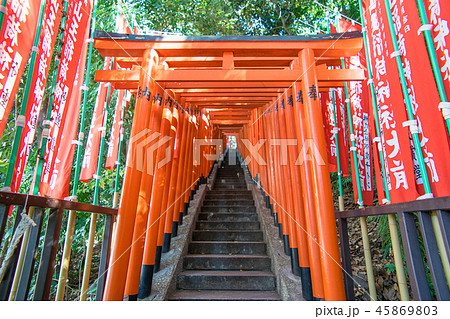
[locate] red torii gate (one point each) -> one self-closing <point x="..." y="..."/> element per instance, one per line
<point x="234" y="80"/>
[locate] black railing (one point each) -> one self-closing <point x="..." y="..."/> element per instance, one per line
<point x="414" y="219"/>
<point x="55" y="208"/>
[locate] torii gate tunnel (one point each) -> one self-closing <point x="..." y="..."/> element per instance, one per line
<point x="229" y="85"/>
<point x="193" y="93"/>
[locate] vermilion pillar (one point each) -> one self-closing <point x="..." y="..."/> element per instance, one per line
<point x="120" y="254"/>
<point x="331" y="266"/>
<point x="284" y="146"/>
<point x="305" y="168"/>
<point x="298" y="195"/>
<point x="159" y="183"/>
<point x="147" y="147"/>
<point x="283" y="182"/>
<point x="168" y="167"/>
<point x="170" y="226"/>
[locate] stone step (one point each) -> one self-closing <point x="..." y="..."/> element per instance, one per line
<point x="223" y="225"/>
<point x="226" y="187"/>
<point x="228" y="209"/>
<point x="224" y="181"/>
<point x="230" y="192"/>
<point x="226" y="280"/>
<point x="227" y="235"/>
<point x="224" y="262"/>
<point x="228" y="202"/>
<point x="224" y="295"/>
<point x="227" y="197"/>
<point x="227" y="248"/>
<point x="236" y="217"/>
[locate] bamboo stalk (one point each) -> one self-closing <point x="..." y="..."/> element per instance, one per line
<point x="441" y="246"/>
<point x="368" y="258"/>
<point x="65" y="260"/>
<point x="88" y="259"/>
<point x="20" y="260"/>
<point x="398" y="260"/>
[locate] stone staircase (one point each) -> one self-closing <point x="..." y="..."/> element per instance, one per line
<point x="227" y="257"/>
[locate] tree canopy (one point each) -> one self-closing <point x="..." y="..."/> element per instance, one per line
<point x="231" y="17"/>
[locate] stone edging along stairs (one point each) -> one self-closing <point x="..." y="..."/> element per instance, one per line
<point x="227" y="256"/>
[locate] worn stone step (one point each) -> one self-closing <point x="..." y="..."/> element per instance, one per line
<point x="226" y="262"/>
<point x="225" y="196"/>
<point x="224" y="295"/>
<point x="223" y="225"/>
<point x="228" y="209"/>
<point x="227" y="181"/>
<point x="229" y="192"/>
<point x="227" y="247"/>
<point x="236" y="217"/>
<point x="227" y="235"/>
<point x="226" y="280"/>
<point x="226" y="187"/>
<point x="232" y="186"/>
<point x="230" y="175"/>
<point x="228" y="202"/>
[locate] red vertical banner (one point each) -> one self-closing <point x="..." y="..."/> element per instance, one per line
<point x="424" y="99"/>
<point x="16" y="40"/>
<point x="395" y="143"/>
<point x="328" y="123"/>
<point x="123" y="97"/>
<point x="116" y="132"/>
<point x="60" y="180"/>
<point x="439" y="17"/>
<point x="122" y="25"/>
<point x="90" y="159"/>
<point x="331" y="126"/>
<point x="342" y="131"/>
<point x="77" y="25"/>
<point x="359" y="107"/>
<point x="50" y="26"/>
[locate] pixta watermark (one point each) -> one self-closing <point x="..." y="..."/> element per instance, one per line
<point x="149" y="151"/>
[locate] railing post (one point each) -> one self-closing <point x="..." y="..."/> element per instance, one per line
<point x="48" y="255"/>
<point x="104" y="258"/>
<point x="414" y="259"/>
<point x="29" y="256"/>
<point x="345" y="256"/>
